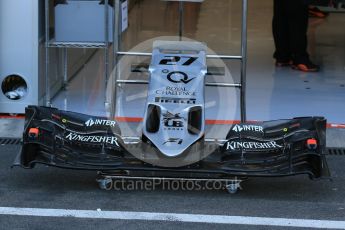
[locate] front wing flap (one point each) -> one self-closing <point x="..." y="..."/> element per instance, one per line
<point x="69" y="139"/>
<point x="282" y="147"/>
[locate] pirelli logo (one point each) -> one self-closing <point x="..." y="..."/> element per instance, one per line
<point x="175" y="100"/>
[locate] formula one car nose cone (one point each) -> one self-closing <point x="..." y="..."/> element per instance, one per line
<point x="176" y="77"/>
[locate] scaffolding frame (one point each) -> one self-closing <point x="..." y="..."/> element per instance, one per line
<point x="51" y="43"/>
<point x="242" y="58"/>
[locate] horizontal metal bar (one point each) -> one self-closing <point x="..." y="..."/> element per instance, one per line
<point x="91" y="45"/>
<point x="133" y="81"/>
<point x="214" y="140"/>
<point x="144" y="68"/>
<point x="214" y="56"/>
<point x="131" y="140"/>
<point x="221" y="84"/>
<point x="133" y="53"/>
<point x="211" y="56"/>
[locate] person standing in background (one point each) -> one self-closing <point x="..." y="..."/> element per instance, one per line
<point x="290" y="25"/>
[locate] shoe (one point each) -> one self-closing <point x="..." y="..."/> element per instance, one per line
<point x="307" y="66"/>
<point x="282" y="63"/>
<point x="317" y="13"/>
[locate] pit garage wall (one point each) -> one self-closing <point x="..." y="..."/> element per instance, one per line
<point x="19" y="49"/>
<point x="22" y="52"/>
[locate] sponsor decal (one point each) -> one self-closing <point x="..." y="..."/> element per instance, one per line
<point x="174" y="140"/>
<point x="175" y="91"/>
<point x="236" y="145"/>
<point x="173" y="121"/>
<point x="179" y="77"/>
<point x="92" y="122"/>
<point x="92" y="139"/>
<point x="253" y="128"/>
<point x="175" y="100"/>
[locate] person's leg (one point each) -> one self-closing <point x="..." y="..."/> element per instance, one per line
<point x="298" y="24"/>
<point x="280" y="29"/>
<point x="297" y="12"/>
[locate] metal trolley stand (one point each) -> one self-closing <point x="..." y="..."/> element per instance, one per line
<point x="51" y="43"/>
<point x="243" y="57"/>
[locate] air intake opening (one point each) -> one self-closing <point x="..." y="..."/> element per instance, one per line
<point x="14" y="87"/>
<point x="195" y="120"/>
<point x="153" y="118"/>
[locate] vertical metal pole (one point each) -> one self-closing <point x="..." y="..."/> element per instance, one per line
<point x="106" y="46"/>
<point x="47" y="77"/>
<point x="244" y="60"/>
<point x="116" y="44"/>
<point x="114" y="56"/>
<point x="114" y="35"/>
<point x="65" y="80"/>
<point x="181" y="20"/>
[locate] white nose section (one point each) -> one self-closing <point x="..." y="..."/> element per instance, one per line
<point x="174" y="117"/>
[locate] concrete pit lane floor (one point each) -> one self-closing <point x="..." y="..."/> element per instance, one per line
<point x="27" y="197"/>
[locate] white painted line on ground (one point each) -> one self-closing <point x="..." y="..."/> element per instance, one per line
<point x="173" y="217"/>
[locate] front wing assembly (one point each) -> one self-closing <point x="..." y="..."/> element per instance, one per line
<point x="77" y="141"/>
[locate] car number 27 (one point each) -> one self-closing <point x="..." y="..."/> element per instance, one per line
<point x="175" y="60"/>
